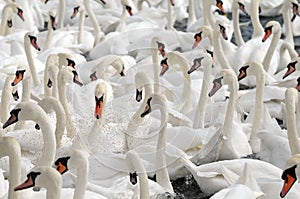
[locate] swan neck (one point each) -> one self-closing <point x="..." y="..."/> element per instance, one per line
<point x="290" y="101"/>
<point x="81" y="25"/>
<point x="97" y="29"/>
<point x="30" y="61"/>
<point x="26" y="89"/>
<point x="162" y="175"/>
<point x="170" y="16"/>
<point x="236" y="27"/>
<point x="287" y="15"/>
<point x="192" y="15"/>
<point x="81" y="182"/>
<point x="199" y="118"/>
<point x="271" y="50"/>
<point x="6" y="14"/>
<point x="53" y="192"/>
<point x="48" y="37"/>
<point x="61" y="16"/>
<point x="233" y="87"/>
<point x="258" y="30"/>
<point x="220" y="57"/>
<point x="260" y="83"/>
<point x="5" y="99"/>
<point x="286" y="46"/>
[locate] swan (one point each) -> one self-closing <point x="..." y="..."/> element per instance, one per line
<point x="172" y="59"/>
<point x="6" y="97"/>
<point x="51" y="28"/>
<point x="253" y="68"/>
<point x="79" y="161"/>
<point x="213" y="177"/>
<point x="231" y="149"/>
<point x="38" y="115"/>
<point x="31" y="40"/>
<point x="50" y="76"/>
<point x="7" y="13"/>
<point x="22" y="74"/>
<point x="67" y="75"/>
<point x="10" y="147"/>
<point x="290" y="174"/>
<point x="205" y="60"/>
<point x="236" y="5"/>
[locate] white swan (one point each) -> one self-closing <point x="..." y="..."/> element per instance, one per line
<point x="10" y="147"/>
<point x="205" y="61"/>
<point x="50" y="76"/>
<point x="51" y="28"/>
<point x="256" y="69"/>
<point x="236" y="143"/>
<point x="31" y="40"/>
<point x="67" y="75"/>
<point x="7" y="13"/>
<point x="31" y="111"/>
<point x="79" y="161"/>
<point x="175" y="58"/>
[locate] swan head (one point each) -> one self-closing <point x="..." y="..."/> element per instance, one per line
<point x="202" y="32"/>
<point x="16" y="8"/>
<point x="77" y="9"/>
<point x="42" y="176"/>
<point x="242" y="72"/>
<point x="155" y="101"/>
<point x="240" y="5"/>
<point x="222" y="30"/>
<point x="68" y="74"/>
<point x="133" y="178"/>
<point x="118" y="64"/>
<point x="172" y="2"/>
<point x="20" y="75"/>
<point x="271" y="27"/>
<point x="62" y="164"/>
<point x="165" y="66"/>
<point x="220" y="5"/>
<point x="291" y="67"/>
<point x="24" y="111"/>
<point x="100" y="99"/>
<point x="227" y="76"/>
<point x="289" y="175"/>
<point x="52" y="16"/>
<point x="33" y="40"/>
<point x="140" y="80"/>
<point x="65" y="59"/>
<point x="161" y="47"/>
<point x="127" y="6"/>
<point x="204" y="60"/>
<point x="16" y="95"/>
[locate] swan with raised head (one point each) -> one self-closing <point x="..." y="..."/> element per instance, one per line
<point x="236" y="143"/>
<point x="31" y="111"/>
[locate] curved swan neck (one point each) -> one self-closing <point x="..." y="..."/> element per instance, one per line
<point x="199" y="117"/>
<point x="61" y="16"/>
<point x="62" y="89"/>
<point x="233" y="87"/>
<point x="219" y="52"/>
<point x="290" y="100"/>
<point x="97" y="29"/>
<point x="135" y="163"/>
<point x="28" y="52"/>
<point x="170" y="16"/>
<point x="155" y="54"/>
<point x="26" y="89"/>
<point x="260" y="83"/>
<point x="49" y="104"/>
<point x="257" y="27"/>
<point x="10" y="147"/>
<point x="236" y="27"/>
<point x="267" y="59"/>
<point x="286" y="46"/>
<point x="82" y="180"/>
<point x="287" y="15"/>
<point x="207" y="14"/>
<point x="49" y="36"/>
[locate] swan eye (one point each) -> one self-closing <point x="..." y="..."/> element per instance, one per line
<point x="198" y="35"/>
<point x="290" y="171"/>
<point x="133" y="178"/>
<point x="210" y="52"/>
<point x="71" y="63"/>
<point x="164" y="62"/>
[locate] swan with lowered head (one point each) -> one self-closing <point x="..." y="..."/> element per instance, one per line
<point x="235" y="145"/>
<point x="31" y="111"/>
<point x="8" y="10"/>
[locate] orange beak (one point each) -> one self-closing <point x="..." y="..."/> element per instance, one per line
<point x="288" y="183"/>
<point x="61" y="168"/>
<point x="17" y="79"/>
<point x="99" y="107"/>
<point x="268" y="33"/>
<point x="197" y="41"/>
